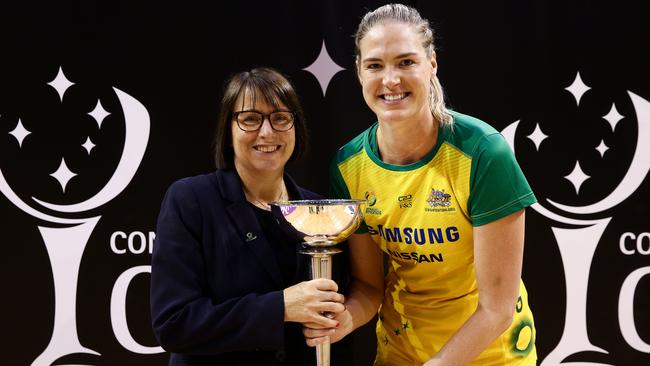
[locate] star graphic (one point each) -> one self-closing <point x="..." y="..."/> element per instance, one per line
<point x="324" y="68"/>
<point x="63" y="174"/>
<point x="99" y="113"/>
<point x="60" y="83"/>
<point x="613" y="117"/>
<point x="20" y="132"/>
<point x="577" y="177"/>
<point x="397" y="331"/>
<point x="88" y="145"/>
<point x="578" y="88"/>
<point x="602" y="148"/>
<point x="537" y="136"/>
<point x="405" y="325"/>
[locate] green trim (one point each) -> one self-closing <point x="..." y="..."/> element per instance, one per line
<point x="372" y="149"/>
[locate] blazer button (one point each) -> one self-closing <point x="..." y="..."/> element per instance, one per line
<point x="281" y="355"/>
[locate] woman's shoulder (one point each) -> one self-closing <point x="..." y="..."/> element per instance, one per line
<point x="195" y="180"/>
<point x="469" y="133"/>
<point x="471" y="125"/>
<point x="200" y="185"/>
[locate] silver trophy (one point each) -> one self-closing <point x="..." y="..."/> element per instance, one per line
<point x="320" y="225"/>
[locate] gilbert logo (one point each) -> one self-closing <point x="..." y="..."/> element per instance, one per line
<point x="578" y="236"/>
<point x="66" y="228"/>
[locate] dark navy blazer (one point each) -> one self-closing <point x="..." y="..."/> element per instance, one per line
<point x="216" y="287"/>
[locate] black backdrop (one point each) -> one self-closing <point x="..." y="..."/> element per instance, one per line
<point x="501" y="61"/>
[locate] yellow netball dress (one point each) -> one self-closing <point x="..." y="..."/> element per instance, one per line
<point x="421" y="215"/>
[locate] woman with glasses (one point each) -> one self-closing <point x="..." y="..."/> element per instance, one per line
<point x="227" y="285"/>
<point x="446" y="202"/>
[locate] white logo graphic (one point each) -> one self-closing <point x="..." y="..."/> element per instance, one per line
<point x="578" y="243"/>
<point x="65" y="238"/>
<point x="324" y="68"/>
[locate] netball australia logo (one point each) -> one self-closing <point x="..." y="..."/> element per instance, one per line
<point x="580" y="226"/>
<point x="66" y="228"/>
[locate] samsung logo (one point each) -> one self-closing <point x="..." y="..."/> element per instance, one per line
<point x="410" y="235"/>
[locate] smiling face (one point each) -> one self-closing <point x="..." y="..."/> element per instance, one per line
<point x="263" y="151"/>
<point x="395" y="72"/>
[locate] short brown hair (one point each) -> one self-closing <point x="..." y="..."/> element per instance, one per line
<point x="275" y="88"/>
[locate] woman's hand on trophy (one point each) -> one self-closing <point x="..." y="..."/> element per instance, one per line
<point x="315" y="334"/>
<point x="313" y="302"/>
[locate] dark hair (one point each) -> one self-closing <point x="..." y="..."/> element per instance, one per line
<point x="261" y="82"/>
<point x="407" y="15"/>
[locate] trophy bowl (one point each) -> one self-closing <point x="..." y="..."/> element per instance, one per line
<point x="319" y="225"/>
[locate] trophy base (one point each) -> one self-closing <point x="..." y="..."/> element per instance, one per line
<point x="320" y="251"/>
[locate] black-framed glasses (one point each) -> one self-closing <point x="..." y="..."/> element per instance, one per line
<point x="252" y="120"/>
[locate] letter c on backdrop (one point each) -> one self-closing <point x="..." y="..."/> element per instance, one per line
<point x="118" y="312"/>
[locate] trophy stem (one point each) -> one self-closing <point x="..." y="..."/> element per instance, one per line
<point x="321" y="267"/>
<point x="323" y="354"/>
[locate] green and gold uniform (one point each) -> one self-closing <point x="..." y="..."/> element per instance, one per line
<point x="421" y="215"/>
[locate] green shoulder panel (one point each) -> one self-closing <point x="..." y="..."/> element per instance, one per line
<point x="498" y="187"/>
<point x="466" y="133"/>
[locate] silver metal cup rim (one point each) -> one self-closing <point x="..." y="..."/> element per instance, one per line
<point x="323" y="202"/>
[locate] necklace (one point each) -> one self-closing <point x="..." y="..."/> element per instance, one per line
<point x="262" y="204"/>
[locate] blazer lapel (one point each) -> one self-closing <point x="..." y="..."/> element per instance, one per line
<point x="243" y="217"/>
